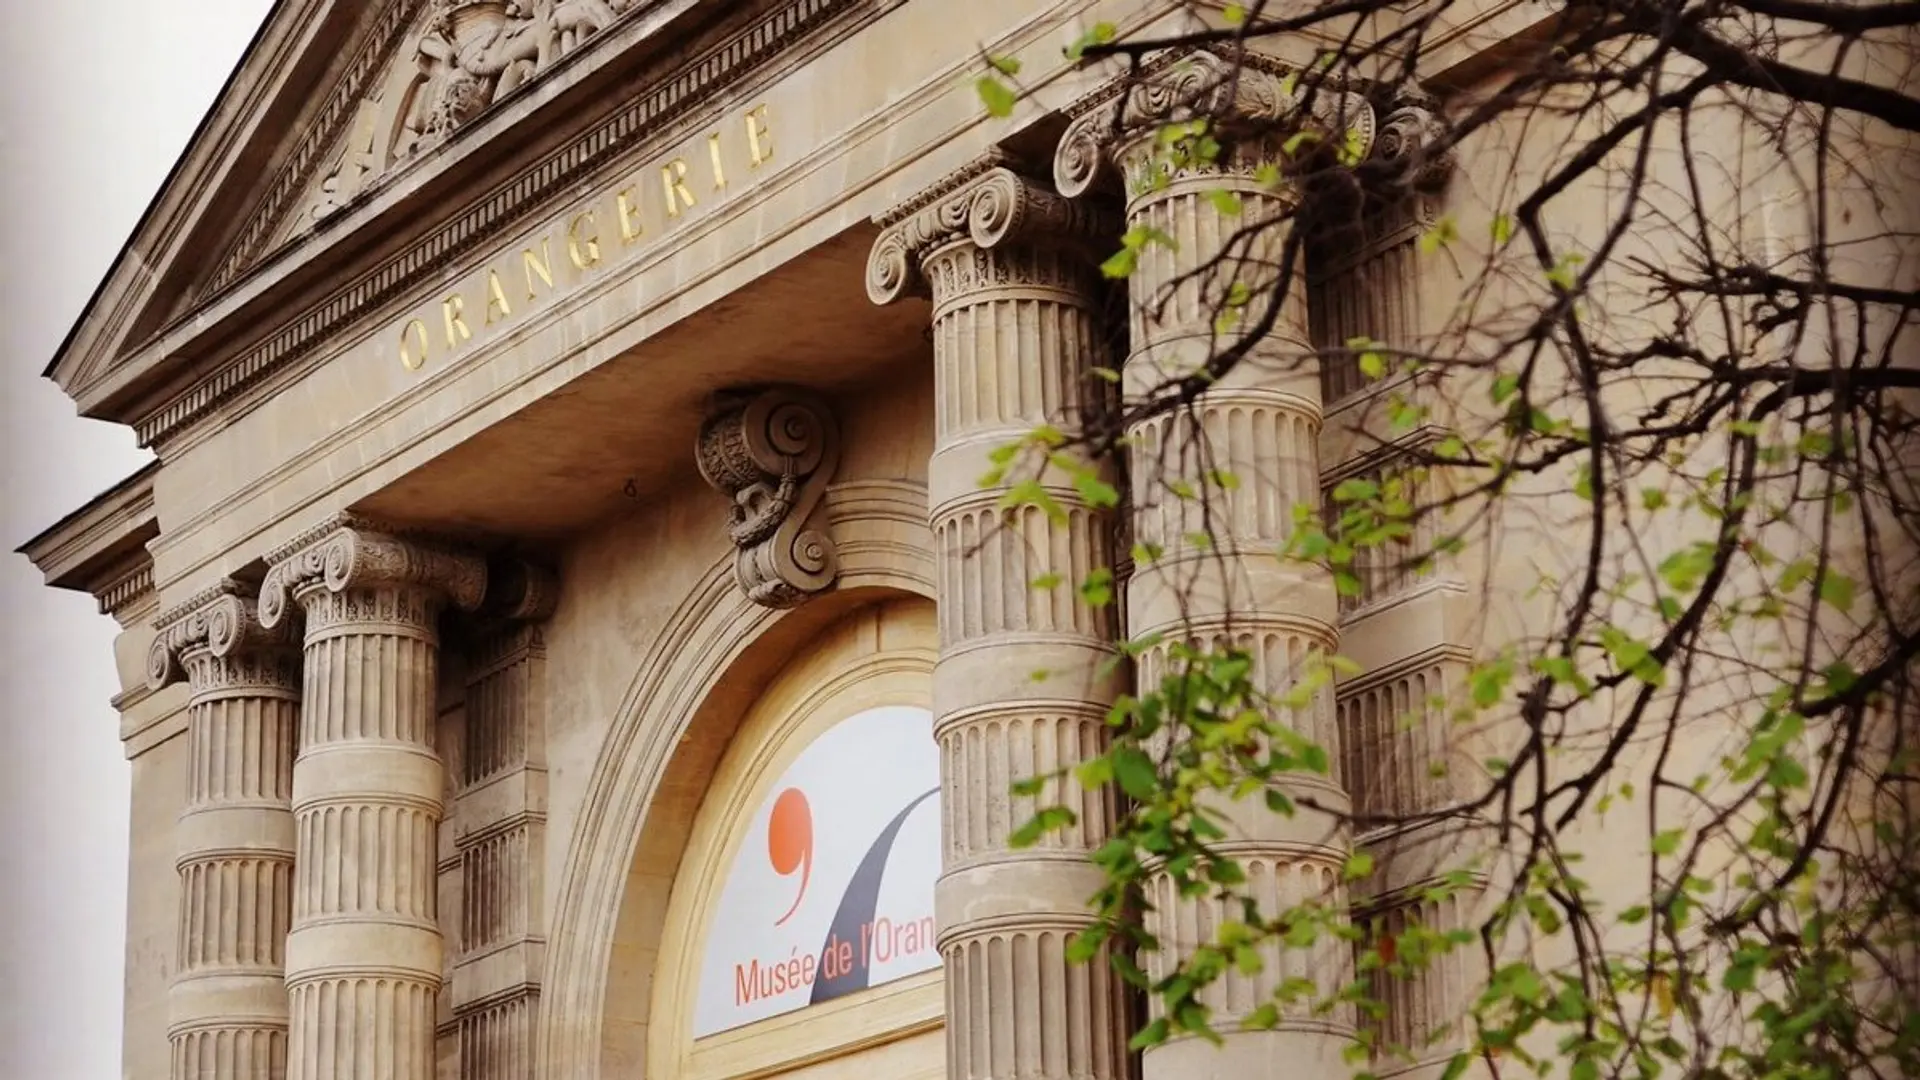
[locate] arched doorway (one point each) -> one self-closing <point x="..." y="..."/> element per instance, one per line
<point x="798" y="929"/>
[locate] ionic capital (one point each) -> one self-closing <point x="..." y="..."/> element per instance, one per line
<point x="985" y="202"/>
<point x="1256" y="105"/>
<point x="220" y="623"/>
<point x="773" y="453"/>
<point x="349" y="553"/>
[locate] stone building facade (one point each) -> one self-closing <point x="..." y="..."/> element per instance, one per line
<point x="568" y="419"/>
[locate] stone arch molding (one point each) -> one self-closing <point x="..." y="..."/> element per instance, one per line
<point x="880" y="530"/>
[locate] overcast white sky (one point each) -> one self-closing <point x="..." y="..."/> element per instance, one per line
<point x="96" y="103"/>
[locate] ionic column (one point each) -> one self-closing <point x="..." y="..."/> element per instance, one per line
<point x="1014" y="327"/>
<point x="1260" y="423"/>
<point x="364" y="959"/>
<point x="229" y="996"/>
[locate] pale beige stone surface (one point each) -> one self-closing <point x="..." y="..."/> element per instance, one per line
<point x="541" y="929"/>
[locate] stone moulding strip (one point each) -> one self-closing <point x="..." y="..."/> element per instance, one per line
<point x="294" y="176"/>
<point x="534" y="189"/>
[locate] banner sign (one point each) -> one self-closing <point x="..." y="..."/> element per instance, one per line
<point x="832" y="889"/>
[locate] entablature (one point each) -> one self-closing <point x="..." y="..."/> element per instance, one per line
<point x="478" y="174"/>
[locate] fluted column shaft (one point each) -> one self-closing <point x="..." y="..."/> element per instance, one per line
<point x="364" y="958"/>
<point x="1015" y="331"/>
<point x="1258" y="424"/>
<point x="228" y="1001"/>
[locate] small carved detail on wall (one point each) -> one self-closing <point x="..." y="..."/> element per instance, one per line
<point x="773" y="452"/>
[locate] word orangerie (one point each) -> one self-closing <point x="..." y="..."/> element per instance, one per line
<point x="514" y="284"/>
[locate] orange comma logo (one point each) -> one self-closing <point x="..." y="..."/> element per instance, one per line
<point x="790" y="842"/>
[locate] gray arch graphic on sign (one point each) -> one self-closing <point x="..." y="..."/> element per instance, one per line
<point x="856" y="909"/>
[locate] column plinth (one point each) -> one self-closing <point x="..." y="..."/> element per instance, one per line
<point x="228" y="1002"/>
<point x="1260" y="423"/>
<point x="1016" y="297"/>
<point x="365" y="959"/>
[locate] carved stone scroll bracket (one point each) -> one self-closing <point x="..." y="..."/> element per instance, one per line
<point x="773" y="452"/>
<point x="986" y="202"/>
<point x="349" y="553"/>
<point x="220" y="623"/>
<point x="1414" y="135"/>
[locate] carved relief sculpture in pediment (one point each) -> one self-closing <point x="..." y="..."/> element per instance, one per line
<point x="466" y="55"/>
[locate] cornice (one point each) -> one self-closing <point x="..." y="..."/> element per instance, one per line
<point x="540" y="186"/>
<point x="97" y="338"/>
<point x="101" y="548"/>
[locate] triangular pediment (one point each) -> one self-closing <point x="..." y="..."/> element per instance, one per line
<point x="423" y="77"/>
<point x="333" y="101"/>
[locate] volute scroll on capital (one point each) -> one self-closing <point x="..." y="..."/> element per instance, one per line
<point x="773" y="452"/>
<point x="349" y="553"/>
<point x="987" y="202"/>
<point x="221" y="623"/>
<point x="1116" y="126"/>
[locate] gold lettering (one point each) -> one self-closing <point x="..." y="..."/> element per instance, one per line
<point x="631" y="228"/>
<point x="541" y="264"/>
<point x="496" y="298"/>
<point x="713" y="155"/>
<point x="583" y="250"/>
<point x="417" y="331"/>
<point x="452" y="309"/>
<point x="673" y="181"/>
<point x="759" y="140"/>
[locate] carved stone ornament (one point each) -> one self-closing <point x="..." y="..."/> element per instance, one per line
<point x="1119" y="124"/>
<point x="219" y="624"/>
<point x="470" y="54"/>
<point x="773" y="453"/>
<point x="348" y="553"/>
<point x="987" y="203"/>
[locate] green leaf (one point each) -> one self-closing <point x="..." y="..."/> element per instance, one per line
<point x="1098" y="34"/>
<point x="1094" y="771"/>
<point x="1504" y="387"/>
<point x="1355" y="488"/>
<point x="1489" y="682"/>
<point x="1097" y="589"/>
<point x="1225" y="202"/>
<point x="1047" y="581"/>
<point x="1121" y="263"/>
<point x="1667" y="841"/>
<point x="1047" y="820"/>
<point x="1153" y="1034"/>
<point x="1502" y="228"/>
<point x="1442" y="233"/>
<point x="1098" y="494"/>
<point x="1135" y="772"/>
<point x="1457" y="1066"/>
<point x="1837" y="589"/>
<point x="1359" y="865"/>
<point x="1005" y="65"/>
<point x="1234" y="14"/>
<point x="996" y="95"/>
